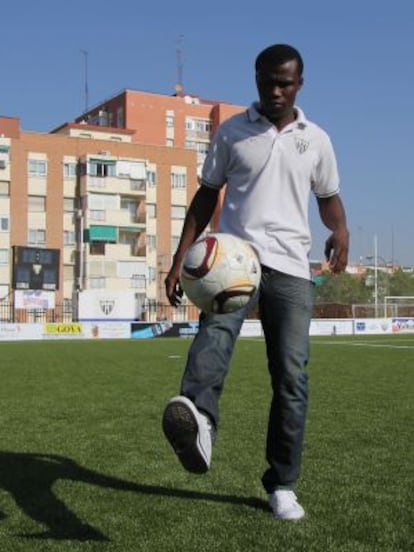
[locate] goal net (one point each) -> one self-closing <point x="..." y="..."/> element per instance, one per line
<point x="399" y="306"/>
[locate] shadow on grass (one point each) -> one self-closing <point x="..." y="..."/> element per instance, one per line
<point x="29" y="478"/>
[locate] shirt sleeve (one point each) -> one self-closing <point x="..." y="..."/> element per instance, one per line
<point x="325" y="182"/>
<point x="214" y="172"/>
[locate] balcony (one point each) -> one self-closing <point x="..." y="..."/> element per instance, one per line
<point x="113" y="185"/>
<point x="116" y="217"/>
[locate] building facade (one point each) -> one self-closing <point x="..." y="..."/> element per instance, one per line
<point x="109" y="191"/>
<point x="181" y="121"/>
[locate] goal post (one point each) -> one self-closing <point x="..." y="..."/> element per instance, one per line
<point x="398" y="306"/>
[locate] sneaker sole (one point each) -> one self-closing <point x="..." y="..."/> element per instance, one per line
<point x="296" y="517"/>
<point x="181" y="430"/>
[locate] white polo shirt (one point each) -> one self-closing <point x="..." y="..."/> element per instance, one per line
<point x="269" y="176"/>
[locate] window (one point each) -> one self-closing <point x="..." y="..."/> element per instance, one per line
<point x="137" y="185"/>
<point x="151" y="242"/>
<point x="97" y="248"/>
<point x="69" y="170"/>
<point x="135" y="170"/>
<point x="202" y="147"/>
<point x="4" y="189"/>
<point x="36" y="204"/>
<point x="69" y="237"/>
<point x="178" y="212"/>
<point x="4" y="223"/>
<point x="151" y="210"/>
<point x="4" y="256"/>
<point x="4" y="156"/>
<point x="202" y="125"/>
<point x="198" y="125"/>
<point x="175" y="240"/>
<point x="170" y="143"/>
<point x="152" y="274"/>
<point x="169" y="121"/>
<point x="120" y="117"/>
<point x="130" y="205"/>
<point x="37" y="167"/>
<point x="151" y="178"/>
<point x="36" y="237"/>
<point x="69" y="204"/>
<point x="178" y="180"/>
<point x="101" y="168"/>
<point x="128" y="238"/>
<point x="138" y="281"/>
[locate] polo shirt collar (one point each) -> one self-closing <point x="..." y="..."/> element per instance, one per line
<point x="253" y="115"/>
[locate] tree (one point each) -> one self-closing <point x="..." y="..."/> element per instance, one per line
<point x="341" y="288"/>
<point x="401" y="283"/>
<point x="351" y="289"/>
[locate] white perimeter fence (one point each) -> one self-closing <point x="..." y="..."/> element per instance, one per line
<point x="148" y="330"/>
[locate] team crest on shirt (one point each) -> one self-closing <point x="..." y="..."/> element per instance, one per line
<point x="301" y="144"/>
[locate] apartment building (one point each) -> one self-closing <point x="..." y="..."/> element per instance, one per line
<point x="108" y="191"/>
<point x="181" y="121"/>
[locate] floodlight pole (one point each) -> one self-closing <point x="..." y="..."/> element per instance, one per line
<point x="376" y="258"/>
<point x="376" y="275"/>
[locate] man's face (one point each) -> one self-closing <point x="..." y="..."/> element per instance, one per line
<point x="277" y="87"/>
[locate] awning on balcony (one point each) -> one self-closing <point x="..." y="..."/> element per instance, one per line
<point x="101" y="161"/>
<point x="133" y="229"/>
<point x="101" y="233"/>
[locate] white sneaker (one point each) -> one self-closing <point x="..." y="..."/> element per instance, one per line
<point x="285" y="505"/>
<point x="189" y="433"/>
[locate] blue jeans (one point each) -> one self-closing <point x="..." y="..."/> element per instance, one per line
<point x="285" y="306"/>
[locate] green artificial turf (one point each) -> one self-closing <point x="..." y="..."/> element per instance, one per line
<point x="84" y="465"/>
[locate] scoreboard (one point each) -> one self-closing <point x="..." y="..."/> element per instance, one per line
<point x="35" y="268"/>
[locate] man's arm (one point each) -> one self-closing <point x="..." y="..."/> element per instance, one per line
<point x="198" y="216"/>
<point x="333" y="216"/>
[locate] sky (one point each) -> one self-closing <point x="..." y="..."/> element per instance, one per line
<point x="359" y="82"/>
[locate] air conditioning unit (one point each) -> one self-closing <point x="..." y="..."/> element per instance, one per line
<point x="3" y="164"/>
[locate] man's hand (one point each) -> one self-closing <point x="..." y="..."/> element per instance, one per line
<point x="198" y="215"/>
<point x="333" y="216"/>
<point x="336" y="250"/>
<point x="173" y="288"/>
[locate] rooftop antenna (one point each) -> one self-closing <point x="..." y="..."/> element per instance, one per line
<point x="86" y="89"/>
<point x="179" y="53"/>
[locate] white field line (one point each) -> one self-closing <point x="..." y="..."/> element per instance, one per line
<point x="378" y="344"/>
<point x="373" y="344"/>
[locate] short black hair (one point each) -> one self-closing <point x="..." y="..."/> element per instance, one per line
<point x="277" y="54"/>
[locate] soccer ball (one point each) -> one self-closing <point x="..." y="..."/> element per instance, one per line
<point x="220" y="273"/>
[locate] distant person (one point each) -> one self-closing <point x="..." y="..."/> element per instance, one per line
<point x="270" y="157"/>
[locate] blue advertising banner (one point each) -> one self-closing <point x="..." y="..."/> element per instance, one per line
<point x="143" y="330"/>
